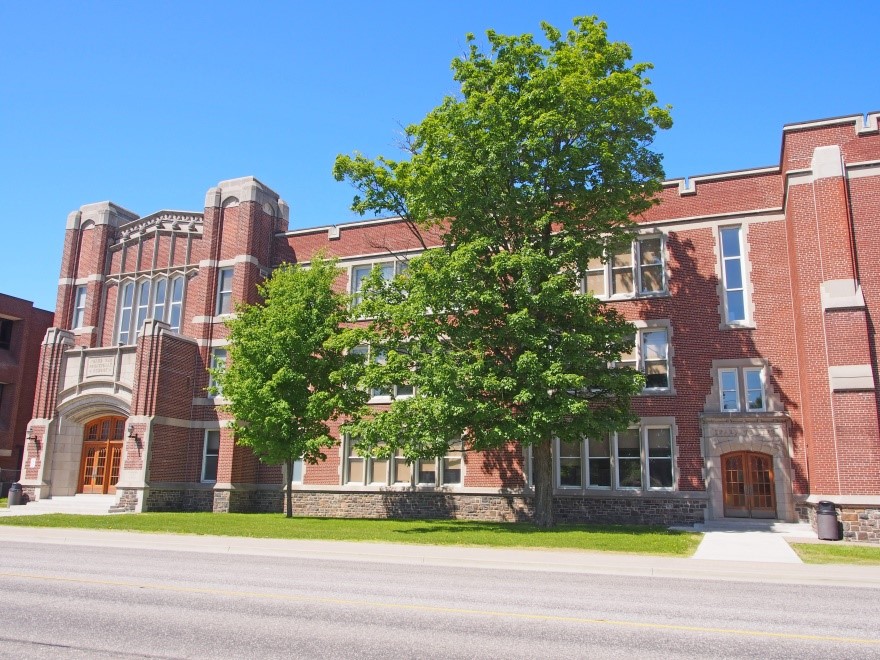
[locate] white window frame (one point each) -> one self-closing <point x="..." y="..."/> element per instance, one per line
<point x="746" y="389"/>
<point x="224" y="291"/>
<point x="378" y="395"/>
<point x="726" y="289"/>
<point x="141" y="306"/>
<point x="638" y="358"/>
<point x="79" y="307"/>
<point x="355" y="280"/>
<point x="159" y="309"/>
<point x="205" y="456"/>
<point x="175" y="305"/>
<point x="736" y="389"/>
<point x="635" y="268"/>
<point x="645" y="457"/>
<point x="218" y="357"/>
<point x="440" y="465"/>
<point x="123" y="330"/>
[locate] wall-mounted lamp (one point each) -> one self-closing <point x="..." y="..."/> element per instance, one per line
<point x="31" y="435"/>
<point x="134" y="436"/>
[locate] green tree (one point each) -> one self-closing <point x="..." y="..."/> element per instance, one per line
<point x="288" y="374"/>
<point x="537" y="167"/>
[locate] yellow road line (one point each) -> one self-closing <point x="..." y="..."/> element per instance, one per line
<point x="448" y="610"/>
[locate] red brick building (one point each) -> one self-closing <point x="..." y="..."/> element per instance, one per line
<point x="22" y="327"/>
<point x="755" y="295"/>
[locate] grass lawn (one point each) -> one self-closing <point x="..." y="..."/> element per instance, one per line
<point x="609" y="538"/>
<point x="819" y="553"/>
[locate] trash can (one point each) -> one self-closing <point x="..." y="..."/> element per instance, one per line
<point x="14" y="495"/>
<point x="826" y="521"/>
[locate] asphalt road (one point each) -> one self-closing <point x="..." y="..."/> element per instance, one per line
<point x="72" y="601"/>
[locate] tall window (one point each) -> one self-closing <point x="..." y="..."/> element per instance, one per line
<point x="5" y="333"/>
<point x="732" y="274"/>
<point x="79" y="307"/>
<point x="175" y="308"/>
<point x="638" y="270"/>
<point x="224" y="291"/>
<point x="445" y="471"/>
<point x="136" y="305"/>
<point x="218" y="363"/>
<point x="159" y="293"/>
<point x="125" y="307"/>
<point x="359" y="274"/>
<point x="650" y="355"/>
<point x="2" y="387"/>
<point x="143" y="305"/>
<point x="211" y="455"/>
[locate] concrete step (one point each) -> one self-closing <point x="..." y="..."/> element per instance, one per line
<point x="803" y="530"/>
<point x="78" y="504"/>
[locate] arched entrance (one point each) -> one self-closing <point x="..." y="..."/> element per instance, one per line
<point x="101" y="454"/>
<point x="749" y="486"/>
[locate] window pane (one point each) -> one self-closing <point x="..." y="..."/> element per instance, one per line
<point x="654" y="343"/>
<point x="600" y="472"/>
<point x="652" y="278"/>
<point x="297" y="471"/>
<point x="355" y="470"/>
<point x="733" y="274"/>
<point x="736" y="308"/>
<point x="656" y="375"/>
<point x="628" y="443"/>
<point x="661" y="472"/>
<point x="596" y="283"/>
<point x="623" y="281"/>
<point x="729" y="401"/>
<point x="452" y="470"/>
<point x="730" y="242"/>
<point x="659" y="442"/>
<point x="630" y="473"/>
<point x="213" y="442"/>
<point x="402" y="471"/>
<point x="159" y="300"/>
<point x="754" y="389"/>
<point x="387" y="271"/>
<point x="621" y="259"/>
<point x="598" y="447"/>
<point x="404" y="390"/>
<point x="378" y="471"/>
<point x="427" y="473"/>
<point x="570" y="472"/>
<point x="650" y="251"/>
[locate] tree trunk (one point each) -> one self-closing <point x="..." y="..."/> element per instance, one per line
<point x="542" y="476"/>
<point x="289" y="495"/>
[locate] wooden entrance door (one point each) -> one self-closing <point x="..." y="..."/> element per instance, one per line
<point x="749" y="487"/>
<point x="102" y="452"/>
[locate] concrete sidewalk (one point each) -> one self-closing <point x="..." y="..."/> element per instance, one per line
<point x="460" y="557"/>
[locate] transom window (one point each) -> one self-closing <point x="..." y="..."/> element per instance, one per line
<point x="639" y="270"/>
<point x="396" y="470"/>
<point x="650" y="355"/>
<point x="638" y="458"/>
<point x="145" y="299"/>
<point x="360" y="273"/>
<point x="742" y="389"/>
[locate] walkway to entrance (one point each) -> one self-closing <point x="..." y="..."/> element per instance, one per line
<point x="750" y="540"/>
<point x="94" y="505"/>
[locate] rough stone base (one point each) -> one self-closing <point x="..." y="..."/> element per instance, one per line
<point x="497" y="508"/>
<point x="857" y="523"/>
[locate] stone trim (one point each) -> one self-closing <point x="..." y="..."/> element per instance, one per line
<point x="851" y="377"/>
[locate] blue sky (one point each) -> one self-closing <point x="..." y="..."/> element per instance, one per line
<point x="149" y="104"/>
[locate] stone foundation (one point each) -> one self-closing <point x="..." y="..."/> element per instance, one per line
<point x="497" y="508"/>
<point x="858" y="523"/>
<point x="210" y="500"/>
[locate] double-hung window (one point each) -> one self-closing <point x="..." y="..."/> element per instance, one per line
<point x="218" y="363"/>
<point x="176" y="307"/>
<point x="732" y="275"/>
<point x="211" y="455"/>
<point x="359" y="274"/>
<point x="125" y="306"/>
<point x="639" y="270"/>
<point x="224" y="291"/>
<point x="383" y="392"/>
<point x="79" y="307"/>
<point x="650" y="355"/>
<point x="143" y="305"/>
<point x="637" y="458"/>
<point x="447" y="470"/>
<point x="136" y="305"/>
<point x="742" y="389"/>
